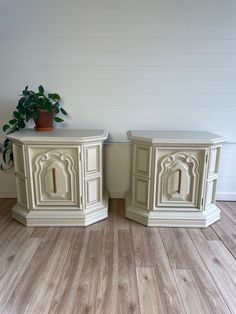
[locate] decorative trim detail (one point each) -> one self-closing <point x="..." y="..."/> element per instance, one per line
<point x="180" y="164"/>
<point x="49" y="163"/>
<point x="199" y="219"/>
<point x="60" y="218"/>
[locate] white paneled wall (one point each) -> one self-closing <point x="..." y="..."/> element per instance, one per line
<point x="127" y="64"/>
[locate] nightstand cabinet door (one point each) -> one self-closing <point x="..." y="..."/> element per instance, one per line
<point x="180" y="178"/>
<point x="55" y="176"/>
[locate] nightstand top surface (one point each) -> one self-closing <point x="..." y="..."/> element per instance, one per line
<point x="58" y="135"/>
<point x="167" y="137"/>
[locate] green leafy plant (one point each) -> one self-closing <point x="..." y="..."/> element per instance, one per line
<point x="28" y="108"/>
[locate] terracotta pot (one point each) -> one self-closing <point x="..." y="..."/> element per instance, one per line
<point x="44" y="121"/>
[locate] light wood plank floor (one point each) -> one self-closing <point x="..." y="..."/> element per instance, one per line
<point x="117" y="266"/>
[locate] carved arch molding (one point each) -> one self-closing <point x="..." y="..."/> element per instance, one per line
<point x="54" y="177"/>
<point x="178" y="180"/>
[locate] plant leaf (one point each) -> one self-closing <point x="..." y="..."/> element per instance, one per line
<point x="12" y="121"/>
<point x="6" y="142"/>
<point x="4" y="154"/>
<point x="55" y="96"/>
<point x="16" y="114"/>
<point x="21" y="124"/>
<point x="10" y="157"/>
<point x="41" y="89"/>
<point x="25" y="91"/>
<point x="5" y="127"/>
<point x="57" y="119"/>
<point x="48" y="106"/>
<point x="56" y="109"/>
<point x="21" y="104"/>
<point x="63" y="111"/>
<point x="35" y="115"/>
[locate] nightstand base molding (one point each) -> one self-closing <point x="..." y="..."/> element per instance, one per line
<point x="160" y="218"/>
<point x="46" y="218"/>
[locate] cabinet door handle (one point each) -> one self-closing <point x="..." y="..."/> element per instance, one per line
<point x="179" y="182"/>
<point x="54" y="182"/>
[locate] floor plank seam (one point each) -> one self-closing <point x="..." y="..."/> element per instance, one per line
<point x="212" y="228"/>
<point x="217" y="287"/>
<point x="177" y="286"/>
<point x="179" y="294"/>
<point x="227" y="248"/>
<point x="225" y="245"/>
<point x="42" y="273"/>
<point x="100" y="261"/>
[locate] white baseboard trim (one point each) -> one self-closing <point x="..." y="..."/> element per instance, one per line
<point x="226" y="197"/>
<point x="7" y="194"/>
<point x="116" y="194"/>
<point x="12" y="194"/>
<point x="219" y="196"/>
<point x="113" y="194"/>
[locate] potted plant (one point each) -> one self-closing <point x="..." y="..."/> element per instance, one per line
<point x="37" y="106"/>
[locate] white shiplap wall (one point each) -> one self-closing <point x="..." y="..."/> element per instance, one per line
<point x="127" y="64"/>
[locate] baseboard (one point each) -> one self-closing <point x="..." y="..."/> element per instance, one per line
<point x="231" y="197"/>
<point x="7" y="194"/>
<point x="12" y="194"/>
<point x="219" y="196"/>
<point x="117" y="194"/>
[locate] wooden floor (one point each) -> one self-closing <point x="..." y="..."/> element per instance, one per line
<point x="117" y="266"/>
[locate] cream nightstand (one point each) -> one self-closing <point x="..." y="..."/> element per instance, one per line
<point x="59" y="177"/>
<point x="174" y="177"/>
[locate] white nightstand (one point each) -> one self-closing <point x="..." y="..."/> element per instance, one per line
<point x="59" y="177"/>
<point x="174" y="177"/>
